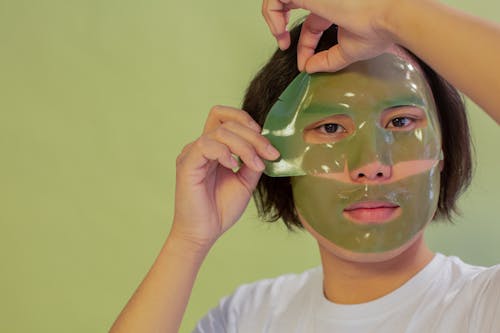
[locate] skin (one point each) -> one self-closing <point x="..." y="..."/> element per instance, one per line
<point x="203" y="167"/>
<point x="204" y="175"/>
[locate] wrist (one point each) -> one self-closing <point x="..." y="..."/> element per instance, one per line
<point x="184" y="245"/>
<point x="404" y="19"/>
<point x="390" y="24"/>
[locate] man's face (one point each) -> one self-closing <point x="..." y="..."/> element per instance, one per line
<point x="364" y="146"/>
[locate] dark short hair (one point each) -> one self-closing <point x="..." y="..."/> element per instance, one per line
<point x="273" y="195"/>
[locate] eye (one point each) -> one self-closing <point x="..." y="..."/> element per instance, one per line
<point x="331" y="128"/>
<point x="400" y="122"/>
<point x="403" y="118"/>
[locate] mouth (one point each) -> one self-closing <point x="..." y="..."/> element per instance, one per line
<point x="372" y="212"/>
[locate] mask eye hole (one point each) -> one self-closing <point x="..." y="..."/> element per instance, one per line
<point x="328" y="130"/>
<point x="403" y="118"/>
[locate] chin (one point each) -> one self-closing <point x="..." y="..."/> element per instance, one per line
<point x="327" y="247"/>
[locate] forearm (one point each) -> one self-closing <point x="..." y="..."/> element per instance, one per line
<point x="462" y="48"/>
<point x="159" y="303"/>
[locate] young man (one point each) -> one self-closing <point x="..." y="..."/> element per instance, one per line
<point x="367" y="29"/>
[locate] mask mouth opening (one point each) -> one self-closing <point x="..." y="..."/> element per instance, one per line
<point x="371" y="205"/>
<point x="372" y="212"/>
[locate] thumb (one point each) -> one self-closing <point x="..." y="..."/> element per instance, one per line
<point x="330" y="60"/>
<point x="249" y="178"/>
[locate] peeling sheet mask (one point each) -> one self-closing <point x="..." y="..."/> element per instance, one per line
<point x="363" y="148"/>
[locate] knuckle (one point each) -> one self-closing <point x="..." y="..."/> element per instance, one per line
<point x="179" y="161"/>
<point x="257" y="138"/>
<point x="229" y="125"/>
<point x="182" y="155"/>
<point x="200" y="142"/>
<point x="215" y="110"/>
<point x="247" y="150"/>
<point x="186" y="148"/>
<point x="246" y="115"/>
<point x="198" y="146"/>
<point x="220" y="132"/>
<point x="247" y="118"/>
<point x="263" y="141"/>
<point x="263" y="10"/>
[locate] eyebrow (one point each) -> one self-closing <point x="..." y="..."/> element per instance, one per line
<point x="343" y="108"/>
<point x="321" y="109"/>
<point x="410" y="100"/>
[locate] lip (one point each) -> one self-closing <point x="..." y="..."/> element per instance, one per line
<point x="372" y="212"/>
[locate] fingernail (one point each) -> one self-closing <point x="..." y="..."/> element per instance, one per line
<point x="258" y="163"/>
<point x="281" y="45"/>
<point x="273" y="152"/>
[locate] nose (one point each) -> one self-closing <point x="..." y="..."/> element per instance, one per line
<point x="374" y="171"/>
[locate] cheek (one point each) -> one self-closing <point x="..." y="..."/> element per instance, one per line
<point x="418" y="144"/>
<point x="414" y="167"/>
<point x="406" y="169"/>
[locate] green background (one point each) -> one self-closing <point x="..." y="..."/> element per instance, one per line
<point x="97" y="98"/>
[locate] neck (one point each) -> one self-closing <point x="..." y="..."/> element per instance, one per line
<point x="349" y="282"/>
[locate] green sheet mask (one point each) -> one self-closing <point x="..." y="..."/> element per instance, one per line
<point x="363" y="145"/>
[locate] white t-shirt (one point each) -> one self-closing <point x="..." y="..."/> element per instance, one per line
<point x="448" y="295"/>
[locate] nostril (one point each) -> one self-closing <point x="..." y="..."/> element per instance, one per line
<point x="361" y="175"/>
<point x="380" y="174"/>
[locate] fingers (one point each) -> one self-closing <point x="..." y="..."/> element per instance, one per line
<point x="229" y="132"/>
<point x="276" y="14"/>
<point x="354" y="19"/>
<point x="207" y="149"/>
<point x="314" y="6"/>
<point x="351" y="48"/>
<point x="250" y="146"/>
<point x="249" y="178"/>
<point x="331" y="60"/>
<point x="312" y="30"/>
<point x="220" y="114"/>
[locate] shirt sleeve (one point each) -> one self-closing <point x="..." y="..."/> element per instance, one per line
<point x="211" y="323"/>
<point x="487" y="306"/>
<point x="239" y="311"/>
<point x="215" y="320"/>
